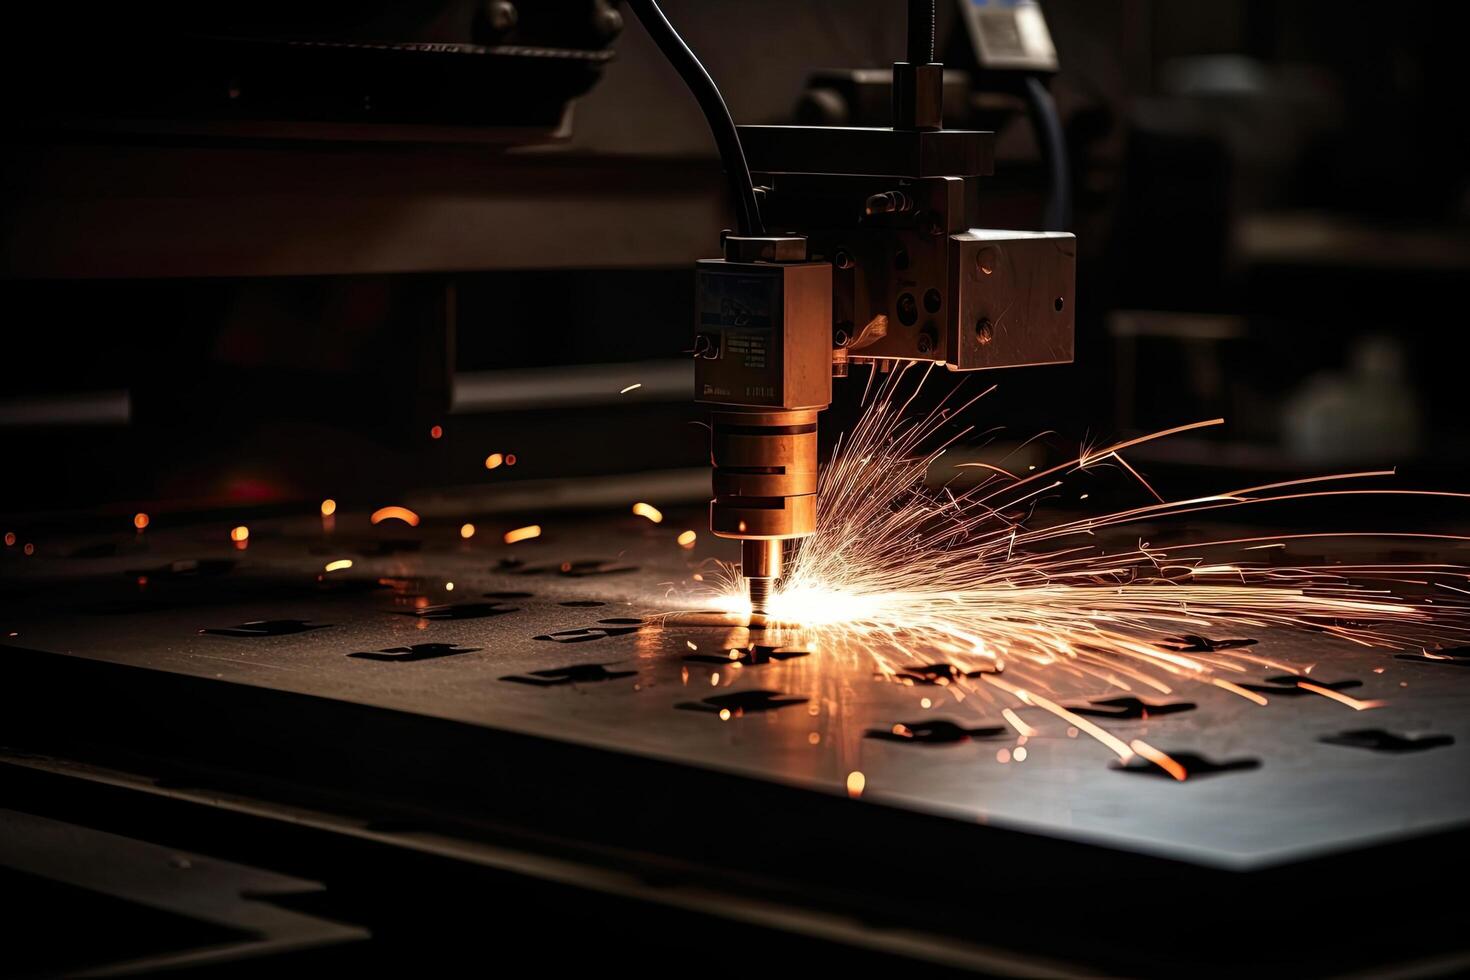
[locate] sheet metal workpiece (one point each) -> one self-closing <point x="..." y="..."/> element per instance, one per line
<point x="544" y="691"/>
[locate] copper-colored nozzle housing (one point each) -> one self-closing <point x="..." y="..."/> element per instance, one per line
<point x="765" y="474"/>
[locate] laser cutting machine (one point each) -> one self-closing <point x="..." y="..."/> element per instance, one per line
<point x="859" y="245"/>
<point x="330" y="640"/>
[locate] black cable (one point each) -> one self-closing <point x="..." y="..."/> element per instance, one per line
<point x="1048" y="126"/>
<point x="921" y="32"/>
<point x="716" y="113"/>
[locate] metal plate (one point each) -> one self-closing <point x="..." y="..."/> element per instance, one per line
<point x="552" y="638"/>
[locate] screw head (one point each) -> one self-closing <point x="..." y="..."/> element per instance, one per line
<point x="986" y="258"/>
<point x="984" y="332"/>
<point x="926" y="343"/>
<point x="843" y="259"/>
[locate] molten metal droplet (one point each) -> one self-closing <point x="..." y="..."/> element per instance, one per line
<point x="856" y="783"/>
<point x="467" y="531"/>
<point x="649" y="511"/>
<point x="329" y="507"/>
<point x="140" y="521"/>
<point x="395" y="513"/>
<point x="523" y="533"/>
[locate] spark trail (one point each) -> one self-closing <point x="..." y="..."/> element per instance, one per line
<point x="982" y="578"/>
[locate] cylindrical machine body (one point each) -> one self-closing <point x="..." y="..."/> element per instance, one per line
<point x="765" y="474"/>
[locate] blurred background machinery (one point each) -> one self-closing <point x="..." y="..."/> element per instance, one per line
<point x="227" y="239"/>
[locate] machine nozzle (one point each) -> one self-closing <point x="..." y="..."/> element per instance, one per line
<point x="760" y="565"/>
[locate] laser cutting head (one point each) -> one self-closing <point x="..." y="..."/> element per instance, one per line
<point x="763" y="356"/>
<point x="880" y="263"/>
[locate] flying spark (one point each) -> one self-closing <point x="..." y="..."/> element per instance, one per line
<point x="523" y="533"/>
<point x="900" y="571"/>
<point x="395" y="513"/>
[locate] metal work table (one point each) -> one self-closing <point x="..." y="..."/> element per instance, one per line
<point x="541" y="697"/>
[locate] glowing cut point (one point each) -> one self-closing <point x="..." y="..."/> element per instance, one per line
<point x="523" y="533"/>
<point x="649" y="511"/>
<point x="856" y="783"/>
<point x="338" y="565"/>
<point x="395" y="513"/>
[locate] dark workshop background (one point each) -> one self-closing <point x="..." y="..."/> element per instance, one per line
<point x="1272" y="202"/>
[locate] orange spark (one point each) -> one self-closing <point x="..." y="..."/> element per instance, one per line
<point x="856" y="783"/>
<point x="9" y="539"/>
<point x="140" y="520"/>
<point x="649" y="511"/>
<point x="239" y="534"/>
<point x="1339" y="697"/>
<point x="493" y="460"/>
<point x="1237" y="689"/>
<point x="329" y="507"/>
<point x="467" y="531"/>
<point x="436" y="432"/>
<point x="1159" y="759"/>
<point x="686" y="539"/>
<point x="395" y="513"/>
<point x="523" y="533"/>
<point x="1014" y="720"/>
<point x="338" y="565"/>
<point x="632" y="387"/>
